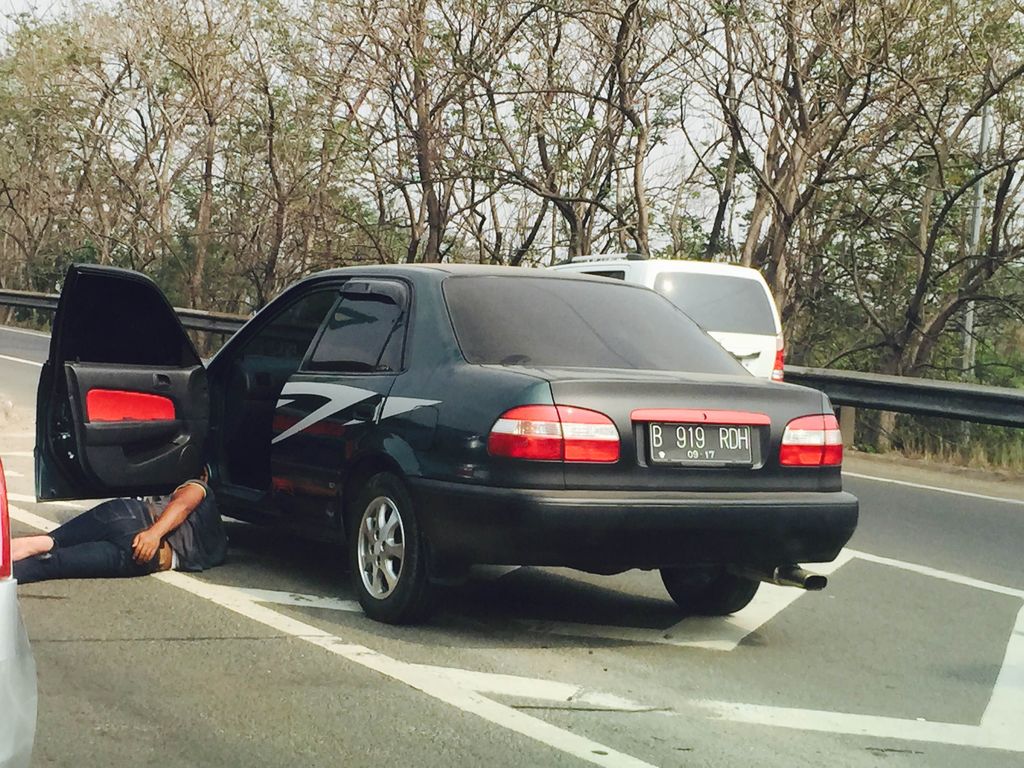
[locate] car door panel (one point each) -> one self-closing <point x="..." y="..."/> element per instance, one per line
<point x="137" y="421"/>
<point x="333" y="404"/>
<point x="248" y="377"/>
<point x="123" y="403"/>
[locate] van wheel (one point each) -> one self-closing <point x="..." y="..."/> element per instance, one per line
<point x="708" y="591"/>
<point x="386" y="553"/>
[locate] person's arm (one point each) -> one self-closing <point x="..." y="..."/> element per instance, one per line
<point x="183" y="501"/>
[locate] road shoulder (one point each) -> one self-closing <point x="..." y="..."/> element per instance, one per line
<point x="1005" y="485"/>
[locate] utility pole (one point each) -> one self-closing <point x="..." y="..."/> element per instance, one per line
<point x="970" y="348"/>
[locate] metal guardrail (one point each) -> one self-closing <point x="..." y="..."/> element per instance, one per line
<point x="903" y="394"/>
<point x="213" y="322"/>
<point x="27" y="300"/>
<point x="194" y="319"/>
<point x="923" y="397"/>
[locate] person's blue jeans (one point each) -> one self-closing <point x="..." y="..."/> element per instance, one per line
<point x="95" y="544"/>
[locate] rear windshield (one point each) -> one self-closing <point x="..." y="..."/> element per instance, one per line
<point x="548" y="322"/>
<point x="719" y="302"/>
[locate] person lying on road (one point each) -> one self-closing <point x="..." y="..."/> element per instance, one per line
<point x="128" y="537"/>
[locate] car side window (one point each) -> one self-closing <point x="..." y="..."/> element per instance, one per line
<point x="94" y="329"/>
<point x="616" y="274"/>
<point x="286" y="338"/>
<point x="364" y="334"/>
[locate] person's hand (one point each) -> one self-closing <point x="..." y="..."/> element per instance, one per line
<point x="145" y="546"/>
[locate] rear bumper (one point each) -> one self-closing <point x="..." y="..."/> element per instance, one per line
<point x="611" y="531"/>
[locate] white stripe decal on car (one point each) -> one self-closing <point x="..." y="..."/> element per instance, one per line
<point x="339" y="397"/>
<point x="395" y="406"/>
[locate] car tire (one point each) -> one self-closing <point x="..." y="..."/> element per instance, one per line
<point x="707" y="592"/>
<point x="387" y="557"/>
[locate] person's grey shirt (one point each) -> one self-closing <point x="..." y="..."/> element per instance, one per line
<point x="200" y="542"/>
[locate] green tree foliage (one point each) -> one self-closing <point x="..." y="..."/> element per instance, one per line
<point x="227" y="147"/>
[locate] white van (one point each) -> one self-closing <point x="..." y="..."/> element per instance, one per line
<point x="733" y="304"/>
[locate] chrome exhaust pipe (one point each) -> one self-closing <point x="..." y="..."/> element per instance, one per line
<point x="787" y="576"/>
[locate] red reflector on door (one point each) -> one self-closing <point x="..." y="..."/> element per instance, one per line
<point x="118" y="405"/>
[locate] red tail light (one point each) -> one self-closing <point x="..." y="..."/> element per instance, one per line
<point x="5" y="529"/>
<point x="780" y="359"/>
<point x="812" y="441"/>
<point x="528" y="432"/>
<point x="554" y="433"/>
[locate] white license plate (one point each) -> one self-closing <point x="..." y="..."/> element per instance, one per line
<point x="700" y="443"/>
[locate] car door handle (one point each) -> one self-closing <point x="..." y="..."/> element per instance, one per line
<point x="161" y="381"/>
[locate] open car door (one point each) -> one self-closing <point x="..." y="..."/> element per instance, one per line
<point x="123" y="403"/>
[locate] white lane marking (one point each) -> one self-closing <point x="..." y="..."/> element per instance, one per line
<point x="301" y="600"/>
<point x="935" y="573"/>
<point x="532" y="688"/>
<point x="12" y="473"/>
<point x="28" y="518"/>
<point x="446" y="685"/>
<point x="690" y="638"/>
<point x="19" y="360"/>
<point x="1000" y="726"/>
<point x="17" y="454"/>
<point x="1005" y="711"/>
<point x="25" y="331"/>
<point x="956" y="734"/>
<point x="423" y="678"/>
<point x="710" y="634"/>
<point x="937" y="489"/>
<point x="23" y="499"/>
<point x="694" y="632"/>
<point x="700" y="635"/>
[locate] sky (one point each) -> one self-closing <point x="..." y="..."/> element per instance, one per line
<point x="11" y="8"/>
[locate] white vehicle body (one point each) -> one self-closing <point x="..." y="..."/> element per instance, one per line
<point x="17" y="667"/>
<point x="732" y="303"/>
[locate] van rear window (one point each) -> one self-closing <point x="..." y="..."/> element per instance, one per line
<point x="719" y="302"/>
<point x="550" y="321"/>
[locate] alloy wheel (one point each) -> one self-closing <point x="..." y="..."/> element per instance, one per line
<point x="381" y="547"/>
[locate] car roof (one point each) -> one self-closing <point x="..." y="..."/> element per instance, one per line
<point x="447" y="269"/>
<point x="672" y="265"/>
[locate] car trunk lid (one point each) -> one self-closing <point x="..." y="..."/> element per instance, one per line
<point x="726" y="407"/>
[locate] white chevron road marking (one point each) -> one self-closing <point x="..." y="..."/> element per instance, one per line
<point x="1000" y="726"/>
<point x="461" y="688"/>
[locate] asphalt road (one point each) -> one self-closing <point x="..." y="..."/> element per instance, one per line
<point x="914" y="656"/>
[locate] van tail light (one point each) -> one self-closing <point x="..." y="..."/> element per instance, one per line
<point x="780" y="358"/>
<point x="812" y="441"/>
<point x="5" y="529"/>
<point x="554" y="433"/>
